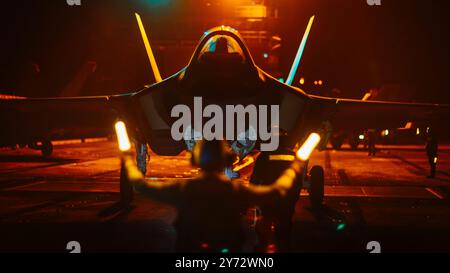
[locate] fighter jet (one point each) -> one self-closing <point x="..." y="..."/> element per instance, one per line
<point x="221" y="71"/>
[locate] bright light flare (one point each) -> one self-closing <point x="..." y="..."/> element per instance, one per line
<point x="224" y="250"/>
<point x="361" y="137"/>
<point x="308" y="147"/>
<point x="340" y="227"/>
<point x="122" y="136"/>
<point x="435" y="160"/>
<point x="367" y="96"/>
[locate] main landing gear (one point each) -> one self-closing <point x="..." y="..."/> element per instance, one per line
<point x="46" y="147"/>
<point x="317" y="185"/>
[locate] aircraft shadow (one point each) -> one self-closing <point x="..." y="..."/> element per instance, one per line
<point x="327" y="216"/>
<point x="116" y="211"/>
<point x="423" y="171"/>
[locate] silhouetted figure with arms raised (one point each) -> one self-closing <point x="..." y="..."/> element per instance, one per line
<point x="210" y="205"/>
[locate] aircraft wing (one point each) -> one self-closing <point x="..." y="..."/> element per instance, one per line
<point x="344" y="114"/>
<point x="27" y="120"/>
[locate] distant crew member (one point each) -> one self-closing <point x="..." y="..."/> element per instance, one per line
<point x="210" y="205"/>
<point x="432" y="152"/>
<point x="371" y="140"/>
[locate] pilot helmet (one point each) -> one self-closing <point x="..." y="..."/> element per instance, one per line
<point x="212" y="155"/>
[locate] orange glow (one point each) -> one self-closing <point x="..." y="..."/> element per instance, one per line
<point x="435" y="160"/>
<point x="281" y="158"/>
<point x="77" y="141"/>
<point x="247" y="161"/>
<point x="308" y="147"/>
<point x="315" y="82"/>
<point x="251" y="11"/>
<point x="148" y="48"/>
<point x="320" y="82"/>
<point x="204" y="245"/>
<point x="122" y="136"/>
<point x="302" y="80"/>
<point x="367" y="96"/>
<point x="271" y="248"/>
<point x="10" y="97"/>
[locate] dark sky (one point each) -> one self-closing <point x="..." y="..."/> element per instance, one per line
<point x="352" y="46"/>
<point x="356" y="46"/>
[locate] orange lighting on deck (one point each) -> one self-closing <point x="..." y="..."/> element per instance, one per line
<point x="308" y="147"/>
<point x="10" y="97"/>
<point x="122" y="136"/>
<point x="251" y="11"/>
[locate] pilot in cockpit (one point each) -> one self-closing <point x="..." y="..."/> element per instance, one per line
<point x="221" y="70"/>
<point x="221" y="49"/>
<point x="221" y="46"/>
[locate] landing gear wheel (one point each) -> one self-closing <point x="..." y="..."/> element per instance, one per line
<point x="47" y="148"/>
<point x="316" y="188"/>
